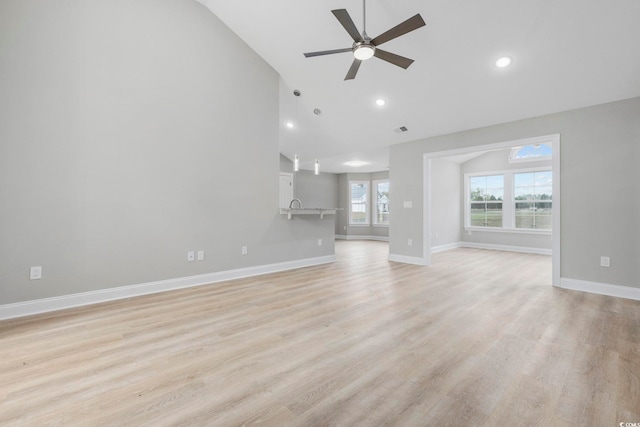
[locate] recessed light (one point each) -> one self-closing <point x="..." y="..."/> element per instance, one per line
<point x="380" y="102"/>
<point x="355" y="164"/>
<point x="505" y="61"/>
<point x="289" y="125"/>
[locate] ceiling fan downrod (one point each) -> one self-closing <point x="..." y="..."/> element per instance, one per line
<point x="364" y="20"/>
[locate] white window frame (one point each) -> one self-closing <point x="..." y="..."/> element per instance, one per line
<point x="374" y="192"/>
<point x="508" y="202"/>
<point x="366" y="204"/>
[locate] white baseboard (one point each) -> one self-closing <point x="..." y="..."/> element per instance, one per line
<point x="357" y="237"/>
<point x="506" y="248"/>
<point x="45" y="305"/>
<point x="600" y="288"/>
<point x="407" y="259"/>
<point x="442" y="248"/>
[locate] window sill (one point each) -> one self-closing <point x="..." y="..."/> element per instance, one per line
<point x="381" y="225"/>
<point x="359" y="225"/>
<point x="509" y="230"/>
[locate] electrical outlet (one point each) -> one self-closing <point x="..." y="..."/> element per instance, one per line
<point x="200" y="255"/>
<point x="408" y="204"/>
<point x="35" y="273"/>
<point x="605" y="261"/>
<point x="191" y="256"/>
<point x="410" y="242"/>
<point x="245" y="250"/>
<point x="319" y="242"/>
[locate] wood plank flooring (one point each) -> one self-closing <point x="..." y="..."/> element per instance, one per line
<point x="480" y="338"/>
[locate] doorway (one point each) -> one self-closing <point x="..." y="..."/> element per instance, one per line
<point x="430" y="234"/>
<point x="286" y="189"/>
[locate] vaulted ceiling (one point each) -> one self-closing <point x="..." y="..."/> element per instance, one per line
<point x="566" y="54"/>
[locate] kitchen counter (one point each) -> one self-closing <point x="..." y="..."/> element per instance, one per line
<point x="308" y="211"/>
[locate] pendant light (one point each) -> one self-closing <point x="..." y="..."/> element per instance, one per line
<point x="296" y="159"/>
<point x="316" y="169"/>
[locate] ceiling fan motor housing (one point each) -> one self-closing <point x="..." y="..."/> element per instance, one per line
<point x="363" y="50"/>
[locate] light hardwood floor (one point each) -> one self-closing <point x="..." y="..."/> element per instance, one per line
<point x="479" y="338"/>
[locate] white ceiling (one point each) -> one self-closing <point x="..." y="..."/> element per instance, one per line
<point x="566" y="54"/>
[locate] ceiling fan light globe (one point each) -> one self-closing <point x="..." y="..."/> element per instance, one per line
<point x="363" y="52"/>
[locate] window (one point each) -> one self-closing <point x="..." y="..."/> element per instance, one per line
<point x="382" y="202"/>
<point x="530" y="153"/>
<point x="486" y="194"/>
<point x="533" y="200"/>
<point x="514" y="200"/>
<point x="358" y="196"/>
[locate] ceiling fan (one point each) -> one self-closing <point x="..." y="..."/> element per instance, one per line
<point x="364" y="47"/>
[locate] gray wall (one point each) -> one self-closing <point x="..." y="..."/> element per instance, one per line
<point x="446" y="211"/>
<point x="316" y="191"/>
<point x="286" y="165"/>
<point x="600" y="154"/>
<point x="499" y="161"/>
<point x="342" y="224"/>
<point x="130" y="133"/>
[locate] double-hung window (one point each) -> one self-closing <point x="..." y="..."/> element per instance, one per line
<point x="381" y="215"/>
<point x="359" y="202"/>
<point x="486" y="194"/>
<point x="514" y="200"/>
<point x="533" y="200"/>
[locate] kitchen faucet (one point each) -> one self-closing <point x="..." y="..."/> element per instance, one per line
<point x="295" y="200"/>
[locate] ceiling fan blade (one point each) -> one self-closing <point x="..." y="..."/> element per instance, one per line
<point x="327" y="52"/>
<point x="353" y="70"/>
<point x="394" y="59"/>
<point x="410" y="24"/>
<point x="347" y="23"/>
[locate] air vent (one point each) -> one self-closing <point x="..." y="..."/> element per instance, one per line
<point x="401" y="129"/>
